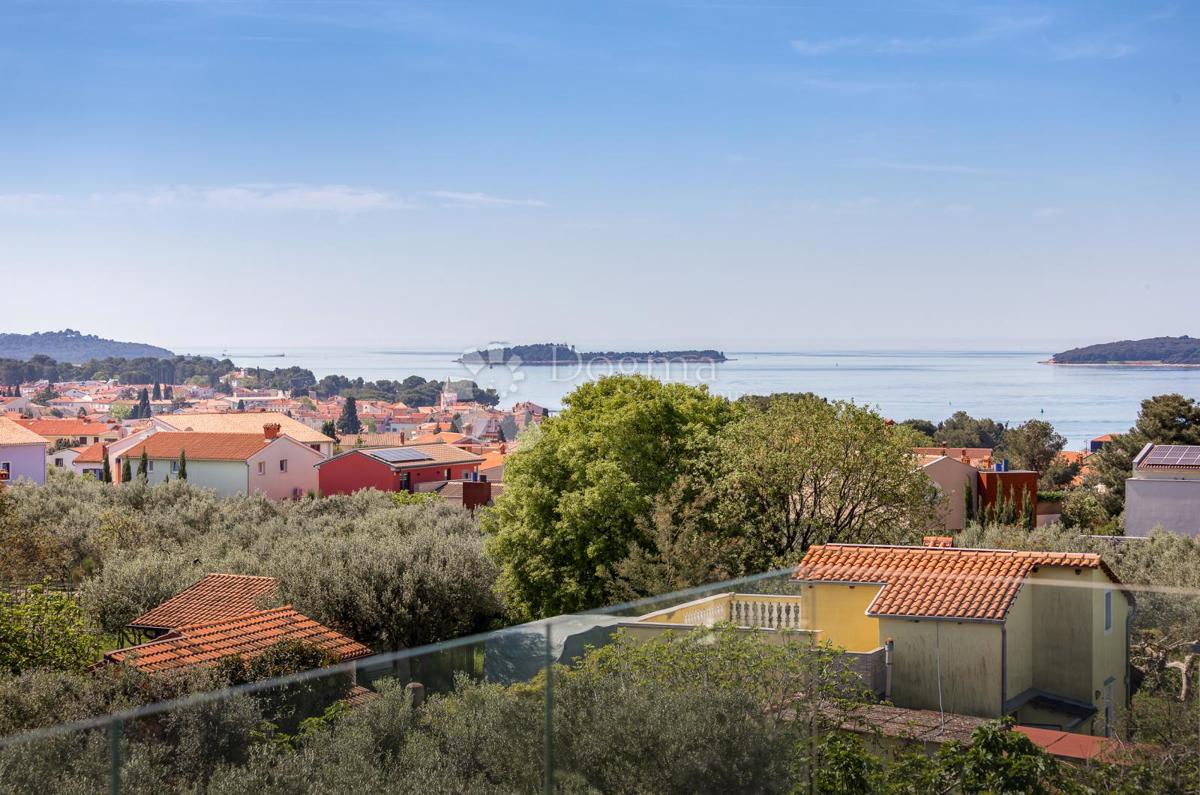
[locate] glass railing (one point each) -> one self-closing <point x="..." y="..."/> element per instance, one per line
<point x="694" y="698"/>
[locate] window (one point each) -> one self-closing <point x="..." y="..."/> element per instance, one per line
<point x="447" y="474"/>
<point x="175" y="465"/>
<point x="149" y="466"/>
<point x="262" y="467"/>
<point x="58" y="463"/>
<point x="283" y="465"/>
<point x="1107" y="612"/>
<point x="5" y="470"/>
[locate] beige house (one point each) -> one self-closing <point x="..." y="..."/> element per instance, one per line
<point x="957" y="481"/>
<point x="1038" y="636"/>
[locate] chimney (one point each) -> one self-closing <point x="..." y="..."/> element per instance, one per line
<point x="271" y="430"/>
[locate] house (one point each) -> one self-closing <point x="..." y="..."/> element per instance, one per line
<point x="268" y="462"/>
<point x="1038" y="636"/>
<point x="957" y="482"/>
<point x="22" y="453"/>
<point x="246" y="635"/>
<point x="1100" y="442"/>
<point x="90" y="460"/>
<point x="72" y="432"/>
<point x="64" y="459"/>
<point x="396" y="468"/>
<point x="215" y="597"/>
<point x="1164" y="490"/>
<point x="246" y="422"/>
<point x="1015" y="487"/>
<point x="978" y="457"/>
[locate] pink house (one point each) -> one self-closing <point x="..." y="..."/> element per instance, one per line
<point x="22" y="454"/>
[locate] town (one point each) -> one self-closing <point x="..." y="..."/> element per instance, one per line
<point x="984" y="576"/>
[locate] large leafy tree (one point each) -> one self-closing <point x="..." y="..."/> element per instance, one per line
<point x="802" y="470"/>
<point x="577" y="499"/>
<point x="43" y="629"/>
<point x="1035" y="445"/>
<point x="963" y="430"/>
<point x="1164" y="419"/>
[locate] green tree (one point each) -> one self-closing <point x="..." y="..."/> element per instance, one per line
<point x="142" y="410"/>
<point x="329" y="429"/>
<point x="143" y="470"/>
<point x="1033" y="445"/>
<point x="182" y="474"/>
<point x="803" y="471"/>
<point x="126" y="474"/>
<point x="120" y="412"/>
<point x="963" y="430"/>
<point x="105" y="467"/>
<point x="1083" y="509"/>
<point x="1163" y="419"/>
<point x="577" y="499"/>
<point x="43" y="629"/>
<point x="157" y="395"/>
<point x="348" y="422"/>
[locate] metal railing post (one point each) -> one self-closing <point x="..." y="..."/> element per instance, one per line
<point x="114" y="757"/>
<point x="548" y="729"/>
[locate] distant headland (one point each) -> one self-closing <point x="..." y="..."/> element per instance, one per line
<point x="1154" y="352"/>
<point x="75" y="347"/>
<point x="554" y="353"/>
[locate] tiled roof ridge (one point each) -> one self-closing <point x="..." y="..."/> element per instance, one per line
<point x="946" y="550"/>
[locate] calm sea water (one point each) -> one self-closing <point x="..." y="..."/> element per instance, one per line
<point x="1010" y="386"/>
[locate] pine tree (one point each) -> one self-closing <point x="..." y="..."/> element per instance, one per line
<point x="330" y="430"/>
<point x="241" y="405"/>
<point x="157" y="391"/>
<point x="348" y="423"/>
<point x="500" y="436"/>
<point x="143" y="465"/>
<point x="126" y="474"/>
<point x="182" y="474"/>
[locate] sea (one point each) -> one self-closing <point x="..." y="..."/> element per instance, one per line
<point x="1007" y="385"/>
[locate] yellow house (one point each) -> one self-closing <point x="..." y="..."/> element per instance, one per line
<point x="1040" y="636"/>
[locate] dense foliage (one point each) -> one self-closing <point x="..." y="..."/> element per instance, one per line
<point x="142" y="370"/>
<point x="388" y="574"/>
<point x="639" y="486"/>
<point x="558" y="353"/>
<point x="70" y="345"/>
<point x="1167" y="350"/>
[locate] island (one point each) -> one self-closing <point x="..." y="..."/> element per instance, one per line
<point x="556" y="353"/>
<point x="1154" y="352"/>
<point x="75" y="347"/>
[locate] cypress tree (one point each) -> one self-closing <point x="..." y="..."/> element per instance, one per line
<point x="348" y="422"/>
<point x="105" y="468"/>
<point x="126" y="475"/>
<point x="241" y="405"/>
<point x="142" y="410"/>
<point x="167" y="478"/>
<point x="182" y="474"/>
<point x="143" y="465"/>
<point x="157" y="391"/>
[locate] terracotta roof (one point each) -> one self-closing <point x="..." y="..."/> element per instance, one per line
<point x="936" y="582"/>
<point x="66" y="427"/>
<point x="13" y="434"/>
<point x="92" y="454"/>
<point x="215" y="598"/>
<point x="247" y="635"/>
<point x="1108" y="437"/>
<point x="200" y="446"/>
<point x="938" y="541"/>
<point x="244" y="422"/>
<point x="350" y="440"/>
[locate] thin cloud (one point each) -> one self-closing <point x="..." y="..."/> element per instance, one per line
<point x="28" y="202"/>
<point x="824" y="46"/>
<point x="1094" y="51"/>
<point x="457" y="199"/>
<point x="1047" y="212"/>
<point x="927" y="168"/>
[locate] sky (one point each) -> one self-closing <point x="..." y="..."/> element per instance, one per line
<point x="601" y="172"/>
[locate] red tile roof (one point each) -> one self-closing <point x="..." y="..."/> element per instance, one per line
<point x="92" y="454"/>
<point x="936" y="582"/>
<point x="214" y="598"/>
<point x="66" y="427"/>
<point x="248" y="635"/>
<point x="200" y="446"/>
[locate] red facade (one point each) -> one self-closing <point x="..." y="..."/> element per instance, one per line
<point x="355" y="471"/>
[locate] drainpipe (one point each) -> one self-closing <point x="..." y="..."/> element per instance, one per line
<point x="1003" y="668"/>
<point x="888" y="647"/>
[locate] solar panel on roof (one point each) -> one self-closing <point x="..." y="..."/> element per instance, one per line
<point x="1170" y="455"/>
<point x="397" y="455"/>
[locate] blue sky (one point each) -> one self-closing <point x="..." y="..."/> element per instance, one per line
<point x="224" y="172"/>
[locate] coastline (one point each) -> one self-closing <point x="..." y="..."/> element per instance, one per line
<point x="1155" y="364"/>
